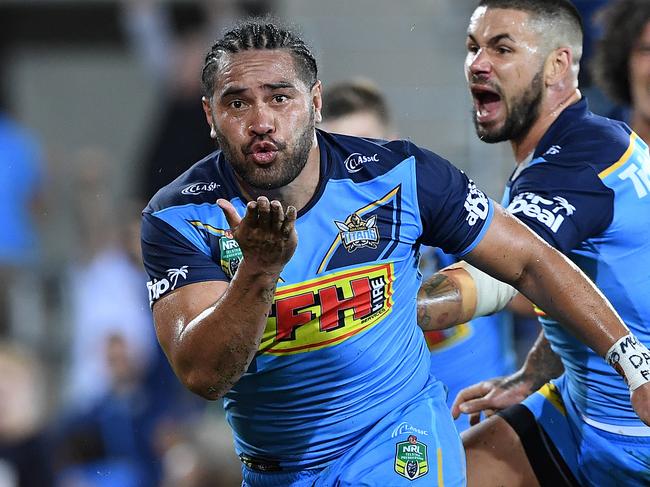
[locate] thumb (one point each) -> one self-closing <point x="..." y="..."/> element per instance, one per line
<point x="229" y="211"/>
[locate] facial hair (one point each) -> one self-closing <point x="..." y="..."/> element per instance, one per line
<point x="288" y="164"/>
<point x="524" y="111"/>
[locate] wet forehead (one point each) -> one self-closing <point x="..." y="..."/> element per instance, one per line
<point x="490" y="23"/>
<point x="257" y="68"/>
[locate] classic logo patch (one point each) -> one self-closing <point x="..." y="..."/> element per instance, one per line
<point x="356" y="232"/>
<point x="231" y="254"/>
<point x="411" y="458"/>
<point x="325" y="311"/>
<point x="200" y="187"/>
<point x="355" y="161"/>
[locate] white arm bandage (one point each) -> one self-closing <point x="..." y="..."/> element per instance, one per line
<point x="492" y="295"/>
<point x="631" y="359"/>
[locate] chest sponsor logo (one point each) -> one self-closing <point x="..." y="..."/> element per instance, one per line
<point x="550" y="212"/>
<point x="198" y="188"/>
<point x="231" y="254"/>
<point x="476" y="204"/>
<point x="411" y="460"/>
<point x="158" y="287"/>
<point x="355" y="161"/>
<point x="356" y="232"/>
<point x="323" y="312"/>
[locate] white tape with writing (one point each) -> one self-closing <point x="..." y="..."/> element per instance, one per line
<point x="631" y="359"/>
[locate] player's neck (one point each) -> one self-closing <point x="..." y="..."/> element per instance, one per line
<point x="641" y="125"/>
<point x="299" y="191"/>
<point x="550" y="111"/>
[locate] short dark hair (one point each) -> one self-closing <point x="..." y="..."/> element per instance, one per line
<point x="354" y="96"/>
<point x="623" y="23"/>
<point x="259" y="33"/>
<point x="550" y="9"/>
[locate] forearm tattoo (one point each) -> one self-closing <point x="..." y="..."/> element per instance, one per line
<point x="542" y="364"/>
<point x="439" y="303"/>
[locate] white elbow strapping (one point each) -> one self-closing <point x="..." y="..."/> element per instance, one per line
<point x="492" y="295"/>
<point x="631" y="359"/>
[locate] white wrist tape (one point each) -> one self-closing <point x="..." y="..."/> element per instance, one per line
<point x="492" y="295"/>
<point x="631" y="359"/>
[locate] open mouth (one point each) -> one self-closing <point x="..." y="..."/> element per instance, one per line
<point x="487" y="103"/>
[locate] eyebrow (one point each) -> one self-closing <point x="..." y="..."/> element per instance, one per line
<point x="495" y="39"/>
<point x="234" y="90"/>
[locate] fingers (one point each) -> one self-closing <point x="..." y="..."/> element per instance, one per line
<point x="468" y="394"/>
<point x="262" y="214"/>
<point x="289" y="222"/>
<point x="277" y="216"/>
<point x="229" y="211"/>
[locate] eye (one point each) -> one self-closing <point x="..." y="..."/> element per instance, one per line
<point x="280" y="98"/>
<point x="236" y="104"/>
<point x="473" y="48"/>
<point x="503" y="50"/>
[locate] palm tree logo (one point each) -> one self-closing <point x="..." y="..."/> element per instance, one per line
<point x="174" y="274"/>
<point x="563" y="204"/>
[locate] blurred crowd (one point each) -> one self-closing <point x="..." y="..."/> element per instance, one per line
<point x="94" y="402"/>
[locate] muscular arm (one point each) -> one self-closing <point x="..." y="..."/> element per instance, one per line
<point x="512" y="253"/>
<point x="446" y="299"/>
<point x="210" y="331"/>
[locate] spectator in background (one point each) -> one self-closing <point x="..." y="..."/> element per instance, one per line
<point x="123" y="403"/>
<point x="464" y="354"/>
<point x="21" y="180"/>
<point x="173" y="57"/>
<point x="621" y="64"/>
<point x="104" y="284"/>
<point x="357" y="107"/>
<point x="24" y="450"/>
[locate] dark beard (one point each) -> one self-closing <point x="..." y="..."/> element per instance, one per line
<point x="523" y="114"/>
<point x="286" y="167"/>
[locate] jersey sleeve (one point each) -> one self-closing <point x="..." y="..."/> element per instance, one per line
<point x="455" y="214"/>
<point x="563" y="205"/>
<point x="172" y="261"/>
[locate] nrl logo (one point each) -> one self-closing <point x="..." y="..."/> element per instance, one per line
<point x="231" y="255"/>
<point x="411" y="459"/>
<point x="356" y="232"/>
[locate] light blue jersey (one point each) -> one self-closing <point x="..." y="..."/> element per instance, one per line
<point x="342" y="351"/>
<point x="586" y="192"/>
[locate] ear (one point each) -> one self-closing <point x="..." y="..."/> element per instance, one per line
<point x="558" y="65"/>
<point x="207" y="109"/>
<point x="317" y="101"/>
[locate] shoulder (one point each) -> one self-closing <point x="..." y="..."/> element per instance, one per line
<point x="593" y="141"/>
<point x="361" y="159"/>
<point x="204" y="182"/>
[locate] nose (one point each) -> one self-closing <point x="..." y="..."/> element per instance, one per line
<point x="262" y="121"/>
<point x="478" y="63"/>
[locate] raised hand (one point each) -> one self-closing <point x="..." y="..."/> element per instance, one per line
<point x="266" y="235"/>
